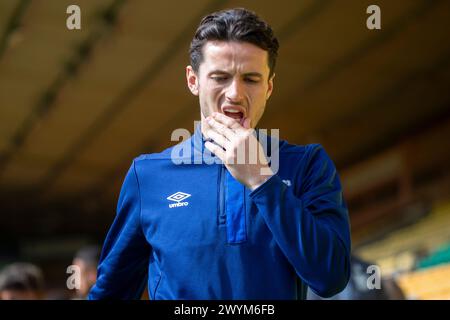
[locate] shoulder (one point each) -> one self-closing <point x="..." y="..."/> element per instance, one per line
<point x="148" y="158"/>
<point x="306" y="153"/>
<point x="307" y="149"/>
<point x="309" y="161"/>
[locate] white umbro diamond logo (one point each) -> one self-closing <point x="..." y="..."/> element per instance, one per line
<point x="177" y="197"/>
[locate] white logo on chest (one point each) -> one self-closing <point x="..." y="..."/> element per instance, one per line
<point x="177" y="198"/>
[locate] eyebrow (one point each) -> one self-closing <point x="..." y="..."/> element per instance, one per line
<point x="248" y="74"/>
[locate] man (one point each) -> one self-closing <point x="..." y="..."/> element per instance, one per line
<point x="219" y="228"/>
<point x="21" y="281"/>
<point x="86" y="259"/>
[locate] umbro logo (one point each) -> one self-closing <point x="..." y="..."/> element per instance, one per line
<point x="178" y="197"/>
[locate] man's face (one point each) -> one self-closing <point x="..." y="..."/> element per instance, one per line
<point x="232" y="79"/>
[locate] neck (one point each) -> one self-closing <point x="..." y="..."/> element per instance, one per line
<point x="203" y="125"/>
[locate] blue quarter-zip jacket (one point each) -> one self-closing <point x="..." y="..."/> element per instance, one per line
<point x="191" y="231"/>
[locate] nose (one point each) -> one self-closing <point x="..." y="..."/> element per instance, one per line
<point x="234" y="93"/>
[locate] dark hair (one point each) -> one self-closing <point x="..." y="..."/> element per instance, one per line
<point x="21" y="277"/>
<point x="234" y="25"/>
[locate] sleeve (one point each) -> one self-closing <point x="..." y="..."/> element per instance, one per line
<point x="310" y="224"/>
<point x="123" y="265"/>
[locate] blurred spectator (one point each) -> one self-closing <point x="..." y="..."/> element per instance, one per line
<point x="358" y="289"/>
<point x="87" y="260"/>
<point x="392" y="289"/>
<point x="21" y="281"/>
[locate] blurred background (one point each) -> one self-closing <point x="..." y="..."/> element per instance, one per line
<point x="76" y="106"/>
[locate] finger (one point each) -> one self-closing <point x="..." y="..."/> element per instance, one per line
<point x="215" y="149"/>
<point x="205" y="127"/>
<point x="222" y="129"/>
<point x="227" y="121"/>
<point x="218" y="138"/>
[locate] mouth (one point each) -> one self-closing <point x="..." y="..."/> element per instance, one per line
<point x="234" y="112"/>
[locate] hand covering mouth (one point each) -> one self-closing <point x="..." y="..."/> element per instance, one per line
<point x="234" y="112"/>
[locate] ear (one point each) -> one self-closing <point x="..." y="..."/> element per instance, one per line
<point x="270" y="87"/>
<point x="192" y="80"/>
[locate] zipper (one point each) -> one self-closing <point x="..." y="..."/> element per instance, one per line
<point x="222" y="190"/>
<point x="232" y="208"/>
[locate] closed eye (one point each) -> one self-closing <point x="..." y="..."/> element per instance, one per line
<point x="251" y="80"/>
<point x="219" y="79"/>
